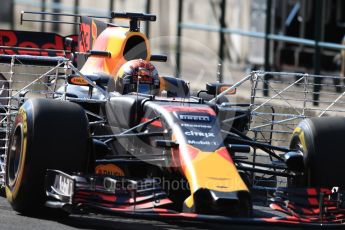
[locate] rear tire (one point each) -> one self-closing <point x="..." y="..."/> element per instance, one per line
<point x="322" y="142"/>
<point x="47" y="134"/>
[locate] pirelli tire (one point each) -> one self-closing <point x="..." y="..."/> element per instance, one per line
<point x="47" y="134"/>
<point x="322" y="142"/>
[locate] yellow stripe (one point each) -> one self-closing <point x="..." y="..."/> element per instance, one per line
<point x="210" y="170"/>
<point x="299" y="132"/>
<point x="12" y="193"/>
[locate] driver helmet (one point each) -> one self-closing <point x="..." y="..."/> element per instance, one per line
<point x="137" y="76"/>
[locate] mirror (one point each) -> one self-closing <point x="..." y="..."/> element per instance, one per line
<point x="166" y="144"/>
<point x="217" y="88"/>
<point x="101" y="80"/>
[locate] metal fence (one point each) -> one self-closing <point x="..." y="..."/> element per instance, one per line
<point x="17" y="82"/>
<point x="20" y="81"/>
<point x="273" y="118"/>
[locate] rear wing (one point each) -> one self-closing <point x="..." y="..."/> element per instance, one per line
<point x="14" y="42"/>
<point x="54" y="45"/>
<point x="50" y="44"/>
<point x="89" y="27"/>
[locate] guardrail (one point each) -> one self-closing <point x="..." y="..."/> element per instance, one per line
<point x="273" y="37"/>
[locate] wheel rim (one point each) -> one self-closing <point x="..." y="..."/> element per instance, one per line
<point x="299" y="181"/>
<point x="14" y="156"/>
<point x="296" y="144"/>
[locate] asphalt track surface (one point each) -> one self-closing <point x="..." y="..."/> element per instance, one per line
<point x="10" y="220"/>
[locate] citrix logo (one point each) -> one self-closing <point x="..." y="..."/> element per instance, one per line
<point x="199" y="134"/>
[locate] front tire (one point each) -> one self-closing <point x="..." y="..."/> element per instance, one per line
<point x="321" y="140"/>
<point x="47" y="134"/>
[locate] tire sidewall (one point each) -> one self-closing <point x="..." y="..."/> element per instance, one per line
<point x="12" y="190"/>
<point x="302" y="140"/>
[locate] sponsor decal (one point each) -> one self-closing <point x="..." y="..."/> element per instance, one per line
<point x="109" y="169"/>
<point x="200" y="131"/>
<point x="201" y="126"/>
<point x="63" y="184"/>
<point x="78" y="81"/>
<point x="28" y="39"/>
<point x="202" y="142"/>
<point x="90" y="29"/>
<point x="188" y="117"/>
<point x="199" y="134"/>
<point x="143" y="79"/>
<point x="84" y="37"/>
<point x="192" y="109"/>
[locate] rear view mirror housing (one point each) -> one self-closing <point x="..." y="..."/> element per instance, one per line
<point x="166" y="144"/>
<point x="217" y="88"/>
<point x="101" y="80"/>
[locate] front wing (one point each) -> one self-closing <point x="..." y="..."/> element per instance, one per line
<point x="144" y="198"/>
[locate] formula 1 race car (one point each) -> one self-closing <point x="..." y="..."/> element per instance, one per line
<point x="113" y="136"/>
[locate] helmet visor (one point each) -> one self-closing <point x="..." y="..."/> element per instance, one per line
<point x="141" y="88"/>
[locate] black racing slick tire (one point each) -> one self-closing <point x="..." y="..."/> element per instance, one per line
<point x="47" y="134"/>
<point x="321" y="140"/>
